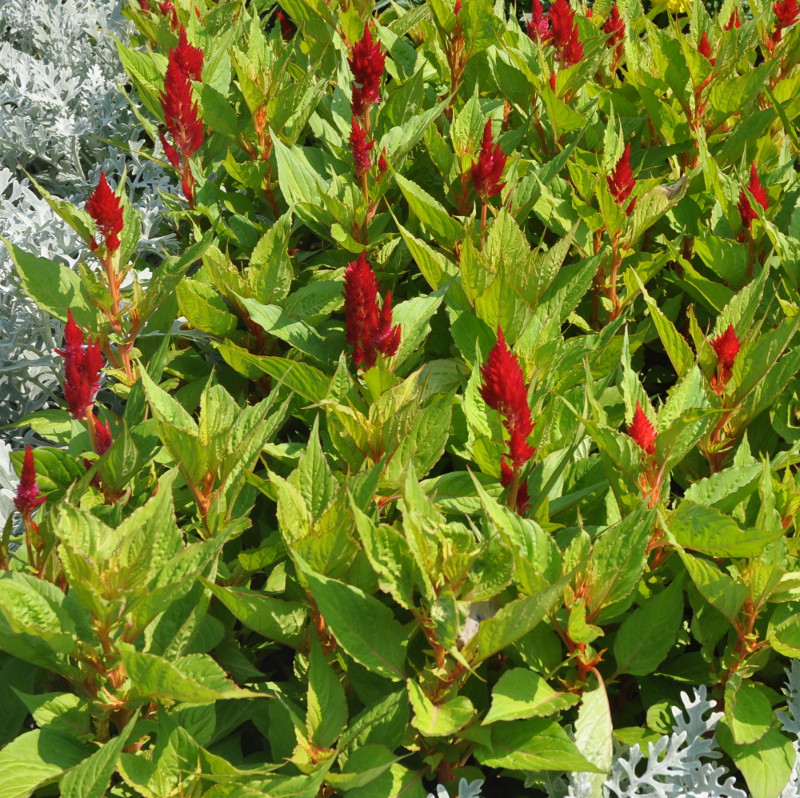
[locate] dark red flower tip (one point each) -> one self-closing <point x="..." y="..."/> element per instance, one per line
<point x="103" y="440"/>
<point x="726" y="346"/>
<point x="144" y="5"/>
<point x="614" y="26"/>
<point x="286" y="25"/>
<point x="105" y="208"/>
<point x="538" y="26"/>
<point x="382" y="165"/>
<point x="28" y="498"/>
<point x="734" y="21"/>
<point x="82" y="366"/>
<point x="488" y="169"/>
<point x="504" y="390"/>
<point x="621" y="180"/>
<point x="367" y="64"/>
<point x="457" y="7"/>
<point x="704" y="46"/>
<point x="572" y="51"/>
<point x="188" y="57"/>
<point x="362" y="161"/>
<point x="562" y="22"/>
<point x="642" y="432"/>
<point x="368" y="328"/>
<point x="168" y="7"/>
<point x="746" y="210"/>
<point x="786" y="13"/>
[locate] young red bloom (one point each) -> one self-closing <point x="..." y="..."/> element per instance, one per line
<point x="382" y="165"/>
<point x="82" y="365"/>
<point x="369" y="329"/>
<point x="103" y="440"/>
<point x="144" y="5"/>
<point x="621" y="180"/>
<point x="726" y="346"/>
<point x="488" y="169"/>
<point x="287" y="27"/>
<point x="367" y="64"/>
<point x="538" y="26"/>
<point x="188" y="57"/>
<point x="28" y="498"/>
<point x="362" y="160"/>
<point x="167" y="7"/>
<point x="614" y="26"/>
<point x="504" y="390"/>
<point x="457" y="7"/>
<point x="642" y="431"/>
<point x="105" y="208"/>
<point x="759" y="194"/>
<point x="562" y="22"/>
<point x="572" y="51"/>
<point x="734" y="21"/>
<point x="787" y="13"/>
<point x="704" y="46"/>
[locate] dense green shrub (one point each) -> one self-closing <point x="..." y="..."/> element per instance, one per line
<point x="475" y="442"/>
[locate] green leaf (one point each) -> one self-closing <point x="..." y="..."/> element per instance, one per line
<point x="521" y="693"/>
<point x="365" y="628"/>
<point x="272" y="618"/>
<point x="364" y="766"/>
<point x="204" y="308"/>
<point x="535" y="744"/>
<point x="748" y="711"/>
<point x="716" y="534"/>
<point x="327" y="705"/>
<point x="37" y="758"/>
<point x="438" y="720"/>
<point x="648" y="633"/>
<point x="594" y="735"/>
<point x="766" y="765"/>
<point x="446" y="230"/>
<point x="715" y="586"/>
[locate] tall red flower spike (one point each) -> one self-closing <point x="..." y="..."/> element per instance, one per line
<point x="727" y="347"/>
<point x="369" y="329"/>
<point x="642" y="431"/>
<point x="362" y="161"/>
<point x="538" y="26"/>
<point x="734" y="21"/>
<point x="181" y="112"/>
<point x="614" y="26"/>
<point x="82" y="365"/>
<point x="488" y="169"/>
<point x="621" y="180"/>
<point x="746" y="210"/>
<point x="103" y="441"/>
<point x="28" y="498"/>
<point x="105" y="208"/>
<point x="366" y="63"/>
<point x="168" y="7"/>
<point x="188" y="57"/>
<point x="562" y="22"/>
<point x="704" y="46"/>
<point x="572" y="51"/>
<point x="787" y="13"/>
<point x="457" y="7"/>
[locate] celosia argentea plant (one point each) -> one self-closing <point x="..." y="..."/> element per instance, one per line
<point x="461" y="435"/>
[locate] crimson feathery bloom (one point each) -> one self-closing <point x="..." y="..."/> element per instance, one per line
<point x="614" y="26"/>
<point x="538" y="26"/>
<point x="82" y="365"/>
<point x="621" y="180"/>
<point x="144" y="5"/>
<point x="704" y="46"/>
<point x="642" y="431"/>
<point x="382" y="165"/>
<point x="457" y="7"/>
<point x="103" y="440"/>
<point x="28" y="498"/>
<point x="504" y="390"/>
<point x="787" y="13"/>
<point x="746" y="210"/>
<point x="286" y="25"/>
<point x="562" y="22"/>
<point x="488" y="169"/>
<point x="362" y="161"/>
<point x="369" y="329"/>
<point x="188" y="57"/>
<point x="167" y="7"/>
<point x="105" y="208"/>
<point x="572" y="51"/>
<point x="734" y="21"/>
<point x="366" y="63"/>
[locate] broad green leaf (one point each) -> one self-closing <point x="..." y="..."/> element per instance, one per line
<point x="766" y="765"/>
<point x="748" y="711"/>
<point x="521" y="693"/>
<point x="438" y="720"/>
<point x="446" y="230"/>
<point x="327" y="705"/>
<point x="715" y="586"/>
<point x="594" y="734"/>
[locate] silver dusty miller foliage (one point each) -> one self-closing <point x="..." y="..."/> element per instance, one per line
<point x="680" y="764"/>
<point x="60" y="105"/>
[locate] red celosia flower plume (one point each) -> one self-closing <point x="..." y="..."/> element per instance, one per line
<point x="103" y="441"/>
<point x="538" y="26"/>
<point x="168" y="7"/>
<point x="642" y="431"/>
<point x="734" y="21"/>
<point x="369" y="329"/>
<point x="562" y="21"/>
<point x="488" y="169"/>
<point x="362" y="161"/>
<point x="727" y="347"/>
<point x="704" y="46"/>
<point x="504" y="390"/>
<point x="787" y="13"/>
<point x="28" y="498"/>
<point x="572" y="51"/>
<point x="759" y="194"/>
<point x="614" y="26"/>
<point x="105" y="208"/>
<point x="180" y="110"/>
<point x="621" y="180"/>
<point x="82" y="365"/>
<point x="286" y="25"/>
<point x="367" y="64"/>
